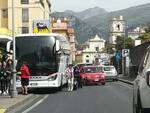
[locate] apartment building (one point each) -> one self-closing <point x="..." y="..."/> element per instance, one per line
<point x="61" y="26"/>
<point x="25" y="11"/>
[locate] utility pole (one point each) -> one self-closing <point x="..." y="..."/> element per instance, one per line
<point x="14" y="90"/>
<point x="124" y="58"/>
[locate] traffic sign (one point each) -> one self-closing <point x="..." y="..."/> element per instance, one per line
<point x="125" y="52"/>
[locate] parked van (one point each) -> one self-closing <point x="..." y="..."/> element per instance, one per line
<point x="141" y="87"/>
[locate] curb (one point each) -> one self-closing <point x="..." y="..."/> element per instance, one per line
<point x="17" y="108"/>
<point x="125" y="81"/>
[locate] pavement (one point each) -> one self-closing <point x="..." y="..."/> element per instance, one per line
<point x="6" y="102"/>
<point x="126" y="79"/>
<point x="113" y="97"/>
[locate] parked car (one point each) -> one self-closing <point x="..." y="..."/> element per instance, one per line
<point x="92" y="75"/>
<point x="141" y="86"/>
<point x="110" y="73"/>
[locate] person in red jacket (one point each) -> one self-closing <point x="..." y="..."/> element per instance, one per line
<point x="25" y="74"/>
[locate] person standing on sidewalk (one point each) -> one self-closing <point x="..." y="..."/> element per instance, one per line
<point x="25" y="74"/>
<point x="3" y="77"/>
<point x="9" y="70"/>
<point x="77" y="77"/>
<point x="70" y="77"/>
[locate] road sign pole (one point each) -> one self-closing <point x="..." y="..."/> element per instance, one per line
<point x="125" y="53"/>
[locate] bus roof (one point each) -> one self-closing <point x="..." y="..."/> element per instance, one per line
<point x="39" y="34"/>
<point x="5" y="37"/>
<point x="44" y="34"/>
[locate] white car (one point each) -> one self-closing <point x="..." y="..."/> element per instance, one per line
<point x="110" y="73"/>
<point x="141" y="86"/>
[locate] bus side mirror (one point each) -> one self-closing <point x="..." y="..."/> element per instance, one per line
<point x="8" y="47"/>
<point x="57" y="45"/>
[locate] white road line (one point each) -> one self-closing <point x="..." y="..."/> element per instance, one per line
<point x="35" y="105"/>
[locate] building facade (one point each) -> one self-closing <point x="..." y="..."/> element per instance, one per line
<point x="135" y="33"/>
<point x="25" y="11"/>
<point x="61" y="26"/>
<point x="93" y="50"/>
<point x="117" y="28"/>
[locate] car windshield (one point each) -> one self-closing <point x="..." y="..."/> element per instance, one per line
<point x="91" y="70"/>
<point x="108" y="68"/>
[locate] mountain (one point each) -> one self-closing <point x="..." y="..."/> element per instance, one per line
<point x="96" y="20"/>
<point x="83" y="31"/>
<point x="87" y="13"/>
<point x="134" y="16"/>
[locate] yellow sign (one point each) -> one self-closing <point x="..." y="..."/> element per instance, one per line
<point x="36" y="30"/>
<point x="41" y="26"/>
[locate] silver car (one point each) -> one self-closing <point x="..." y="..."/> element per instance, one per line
<point x="141" y="87"/>
<point x="110" y="73"/>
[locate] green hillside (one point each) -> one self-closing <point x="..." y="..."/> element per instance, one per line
<point x="134" y="16"/>
<point x="99" y="24"/>
<point x="83" y="31"/>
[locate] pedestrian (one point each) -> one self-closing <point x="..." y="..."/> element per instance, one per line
<point x="3" y="77"/>
<point x="9" y="70"/>
<point x="77" y="77"/>
<point x="70" y="77"/>
<point x="25" y="74"/>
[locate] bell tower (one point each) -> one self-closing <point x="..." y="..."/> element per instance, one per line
<point x="117" y="28"/>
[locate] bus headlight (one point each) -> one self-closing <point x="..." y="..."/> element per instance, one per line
<point x="53" y="77"/>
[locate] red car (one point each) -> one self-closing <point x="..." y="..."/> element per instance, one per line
<point x="92" y="75"/>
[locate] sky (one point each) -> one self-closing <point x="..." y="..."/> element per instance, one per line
<point x="80" y="5"/>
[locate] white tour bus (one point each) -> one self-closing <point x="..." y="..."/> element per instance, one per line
<point x="47" y="56"/>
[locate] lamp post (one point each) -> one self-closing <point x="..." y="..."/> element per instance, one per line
<point x="14" y="90"/>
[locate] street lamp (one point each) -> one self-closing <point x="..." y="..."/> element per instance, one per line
<point x="14" y="90"/>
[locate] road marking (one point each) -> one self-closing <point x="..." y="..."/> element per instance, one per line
<point x="35" y="105"/>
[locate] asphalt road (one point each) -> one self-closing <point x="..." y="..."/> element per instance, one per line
<point x="111" y="98"/>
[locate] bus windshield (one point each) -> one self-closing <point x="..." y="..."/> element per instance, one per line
<point x="37" y="51"/>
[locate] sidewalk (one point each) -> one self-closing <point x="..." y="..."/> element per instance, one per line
<point x="126" y="79"/>
<point x="7" y="102"/>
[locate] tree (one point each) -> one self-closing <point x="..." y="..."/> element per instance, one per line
<point x="146" y="35"/>
<point x="110" y="48"/>
<point x="121" y="43"/>
<point x="129" y="43"/>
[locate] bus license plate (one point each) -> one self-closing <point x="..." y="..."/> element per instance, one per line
<point x="33" y="84"/>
